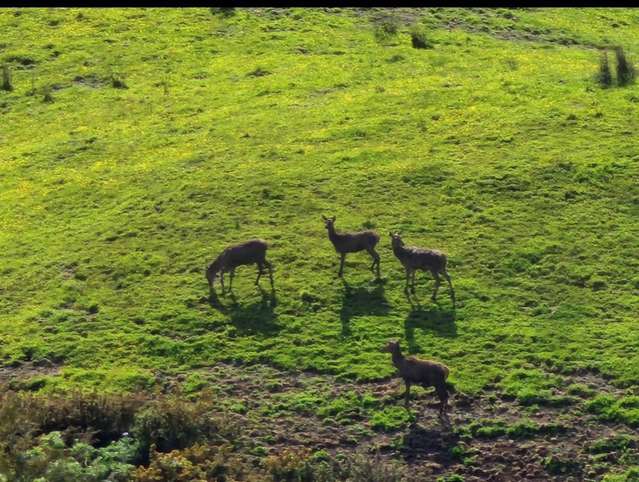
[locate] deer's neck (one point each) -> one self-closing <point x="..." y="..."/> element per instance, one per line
<point x="398" y="359"/>
<point x="332" y="234"/>
<point x="400" y="251"/>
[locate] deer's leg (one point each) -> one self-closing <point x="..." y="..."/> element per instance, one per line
<point x="341" y="264"/>
<point x="407" y="393"/>
<point x="408" y="275"/>
<point x="232" y="274"/>
<point x="269" y="266"/>
<point x="450" y="286"/>
<point x="260" y="267"/>
<point x="412" y="286"/>
<point x="222" y="281"/>
<point x="437" y="283"/>
<point x="375" y="256"/>
<point x="442" y="393"/>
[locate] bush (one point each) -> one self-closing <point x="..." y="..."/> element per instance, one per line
<point x="605" y="76"/>
<point x="385" y="29"/>
<point x="172" y="424"/>
<point x="47" y="98"/>
<point x="223" y="11"/>
<point x="200" y="462"/>
<point x="105" y="417"/>
<point x="6" y="79"/>
<point x="291" y="465"/>
<point x="364" y="468"/>
<point x="418" y="38"/>
<point x="118" y="82"/>
<point x="625" y="70"/>
<point x="53" y="461"/>
<point x="258" y="72"/>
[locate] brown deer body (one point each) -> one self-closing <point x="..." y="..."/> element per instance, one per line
<point x="427" y="373"/>
<point x="352" y="243"/>
<point x="414" y="259"/>
<point x="249" y="252"/>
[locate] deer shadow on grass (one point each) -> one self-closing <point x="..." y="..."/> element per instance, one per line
<point x="436" y="443"/>
<point x="253" y="317"/>
<point x="361" y="301"/>
<point x="440" y="322"/>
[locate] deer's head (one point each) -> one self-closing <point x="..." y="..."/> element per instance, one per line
<point x="328" y="222"/>
<point x="212" y="271"/>
<point x="391" y="347"/>
<point x="396" y="239"/>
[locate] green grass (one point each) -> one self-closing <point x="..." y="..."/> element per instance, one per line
<point x="623" y="409"/>
<point x="501" y="151"/>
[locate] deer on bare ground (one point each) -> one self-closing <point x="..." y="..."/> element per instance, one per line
<point x="351" y="243"/>
<point x="427" y="373"/>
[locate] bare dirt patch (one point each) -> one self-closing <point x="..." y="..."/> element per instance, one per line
<point x="488" y="437"/>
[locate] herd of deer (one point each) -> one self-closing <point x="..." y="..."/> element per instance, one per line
<point x="413" y="370"/>
<point x="412" y="258"/>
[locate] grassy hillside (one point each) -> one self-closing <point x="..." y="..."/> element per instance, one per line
<point x="173" y="133"/>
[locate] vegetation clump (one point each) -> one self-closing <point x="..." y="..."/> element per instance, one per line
<point x="223" y="11"/>
<point x="117" y="82"/>
<point x="6" y="79"/>
<point x="385" y="28"/>
<point x="47" y="96"/>
<point x="419" y="39"/>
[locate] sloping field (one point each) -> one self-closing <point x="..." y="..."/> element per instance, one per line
<point x="136" y="144"/>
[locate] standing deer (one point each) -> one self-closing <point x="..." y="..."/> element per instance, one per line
<point x="414" y="259"/>
<point x="249" y="252"/>
<point x="427" y="373"/>
<point x="351" y="243"/>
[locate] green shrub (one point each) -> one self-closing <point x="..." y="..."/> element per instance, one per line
<point x="292" y="464"/>
<point x="6" y="79"/>
<point x="171" y="423"/>
<point x="106" y="417"/>
<point x="580" y="390"/>
<point x="560" y="466"/>
<point x="631" y="475"/>
<point x="385" y="28"/>
<point x="223" y="11"/>
<point x="54" y="461"/>
<point x="199" y="462"/>
<point x="391" y="418"/>
<point x="366" y="468"/>
<point x="611" y="444"/>
<point x="451" y="478"/>
<point x="623" y="410"/>
<point x="419" y="39"/>
<point x="117" y="82"/>
<point x="47" y="97"/>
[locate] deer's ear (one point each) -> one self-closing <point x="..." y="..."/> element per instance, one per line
<point x="391" y="233"/>
<point x="333" y="218"/>
<point x="324" y="217"/>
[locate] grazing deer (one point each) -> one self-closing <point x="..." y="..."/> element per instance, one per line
<point x="249" y="252"/>
<point x="351" y="243"/>
<point x="414" y="259"/>
<point x="427" y="373"/>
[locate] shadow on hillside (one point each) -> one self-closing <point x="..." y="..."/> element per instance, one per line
<point x="432" y="319"/>
<point x="361" y="301"/>
<point x="251" y="318"/>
